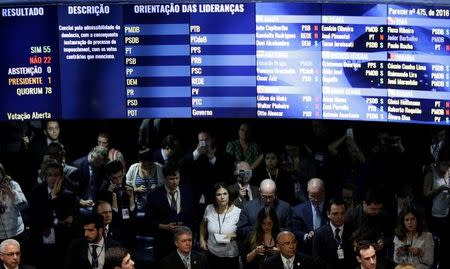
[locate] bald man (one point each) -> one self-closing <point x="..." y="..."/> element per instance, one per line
<point x="268" y="198"/>
<point x="288" y="257"/>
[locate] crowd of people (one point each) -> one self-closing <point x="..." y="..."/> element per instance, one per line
<point x="334" y="201"/>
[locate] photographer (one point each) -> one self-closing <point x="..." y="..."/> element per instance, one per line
<point x="242" y="191"/>
<point x="12" y="200"/>
<point x="123" y="203"/>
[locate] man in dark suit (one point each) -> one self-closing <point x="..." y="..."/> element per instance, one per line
<point x="205" y="166"/>
<point x="55" y="150"/>
<point x="310" y="215"/>
<point x="92" y="176"/>
<point x="122" y="199"/>
<point x="288" y="257"/>
<point x="168" y="151"/>
<point x="112" y="229"/>
<point x="52" y="212"/>
<point x="331" y="242"/>
<point x="10" y="255"/>
<point x="184" y="257"/>
<point x="249" y="213"/>
<point x="169" y="207"/>
<point x="241" y="191"/>
<point x="89" y="252"/>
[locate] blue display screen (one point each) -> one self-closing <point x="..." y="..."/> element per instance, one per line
<point x="368" y="62"/>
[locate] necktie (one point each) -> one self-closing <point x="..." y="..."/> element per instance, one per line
<point x="187" y="263"/>
<point x="337" y="236"/>
<point x="288" y="264"/>
<point x="318" y="221"/>
<point x="317" y="208"/>
<point x="94" y="256"/>
<point x="173" y="202"/>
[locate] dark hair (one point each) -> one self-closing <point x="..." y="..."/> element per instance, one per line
<point x="335" y="201"/>
<point x="3" y="176"/>
<point x="106" y="134"/>
<point x="257" y="236"/>
<point x="180" y="231"/>
<point x="48" y="121"/>
<point x="169" y="141"/>
<point x="52" y="163"/>
<point x="444" y="153"/>
<point x="364" y="233"/>
<point x="94" y="218"/>
<point x="170" y="169"/>
<point x="113" y="167"/>
<point x="99" y="203"/>
<point x="401" y="228"/>
<point x="145" y="155"/>
<point x="5" y="182"/>
<point x="217" y="186"/>
<point x="373" y="197"/>
<point x="55" y="148"/>
<point x="114" y="257"/>
<point x="349" y="186"/>
<point x="362" y="245"/>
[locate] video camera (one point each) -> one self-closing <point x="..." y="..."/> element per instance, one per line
<point x="242" y="175"/>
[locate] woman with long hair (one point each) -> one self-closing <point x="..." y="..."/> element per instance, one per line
<point x="261" y="243"/>
<point x="12" y="201"/>
<point x="412" y="244"/>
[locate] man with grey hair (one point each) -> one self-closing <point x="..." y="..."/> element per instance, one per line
<point x="10" y="255"/>
<point x="249" y="213"/>
<point x="184" y="257"/>
<point x="92" y="175"/>
<point x="241" y="191"/>
<point x="310" y="215"/>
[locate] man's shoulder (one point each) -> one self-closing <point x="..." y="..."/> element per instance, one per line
<point x="273" y="259"/>
<point x="283" y="204"/>
<point x="251" y="205"/>
<point x="322" y="230"/>
<point x="78" y="243"/>
<point x="198" y="255"/>
<point x="78" y="162"/>
<point x="302" y="206"/>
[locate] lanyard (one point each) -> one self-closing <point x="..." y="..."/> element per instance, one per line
<point x="270" y="176"/>
<point x="223" y="219"/>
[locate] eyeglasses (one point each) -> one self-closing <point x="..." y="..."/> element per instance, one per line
<point x="53" y="174"/>
<point x="10" y="254"/>
<point x="268" y="196"/>
<point x="289" y="243"/>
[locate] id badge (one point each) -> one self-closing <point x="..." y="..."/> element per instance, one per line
<point x="340" y="253"/>
<point x="125" y="213"/>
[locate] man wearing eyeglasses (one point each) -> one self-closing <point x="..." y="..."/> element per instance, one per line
<point x="10" y="255"/>
<point x="241" y="191"/>
<point x="288" y="257"/>
<point x="249" y="213"/>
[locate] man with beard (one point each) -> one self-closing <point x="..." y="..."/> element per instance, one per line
<point x="89" y="252"/>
